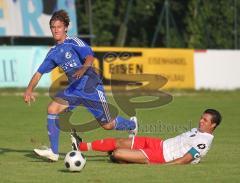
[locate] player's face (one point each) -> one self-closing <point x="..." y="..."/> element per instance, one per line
<point x="205" y="123"/>
<point x="58" y="30"/>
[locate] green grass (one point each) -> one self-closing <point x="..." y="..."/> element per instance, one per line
<point x="23" y="128"/>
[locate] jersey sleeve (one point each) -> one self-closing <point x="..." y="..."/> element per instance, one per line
<point x="83" y="52"/>
<point x="194" y="153"/>
<point x="199" y="149"/>
<point x="202" y="147"/>
<point x="47" y="65"/>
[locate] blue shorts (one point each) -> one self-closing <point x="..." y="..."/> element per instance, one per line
<point x="90" y="94"/>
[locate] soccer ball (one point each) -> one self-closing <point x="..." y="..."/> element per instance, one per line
<point x="75" y="161"/>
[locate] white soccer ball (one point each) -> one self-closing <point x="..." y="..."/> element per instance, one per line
<point x="75" y="161"/>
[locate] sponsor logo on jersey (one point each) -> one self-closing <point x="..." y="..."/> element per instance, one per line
<point x="68" y="64"/>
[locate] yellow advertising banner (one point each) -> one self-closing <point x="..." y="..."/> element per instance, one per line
<point x="176" y="65"/>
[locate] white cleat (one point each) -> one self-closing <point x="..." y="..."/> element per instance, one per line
<point x="134" y="131"/>
<point x="47" y="153"/>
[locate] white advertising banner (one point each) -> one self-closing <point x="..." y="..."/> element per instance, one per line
<point x="217" y="69"/>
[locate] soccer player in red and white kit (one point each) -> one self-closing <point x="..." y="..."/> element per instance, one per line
<point x="188" y="147"/>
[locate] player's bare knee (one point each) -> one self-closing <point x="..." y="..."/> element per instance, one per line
<point x="119" y="142"/>
<point x="52" y="109"/>
<point x="117" y="154"/>
<point x="123" y="143"/>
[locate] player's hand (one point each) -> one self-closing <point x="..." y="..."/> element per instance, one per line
<point x="78" y="74"/>
<point x="28" y="97"/>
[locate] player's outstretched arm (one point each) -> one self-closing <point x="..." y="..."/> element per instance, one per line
<point x="28" y="95"/>
<point x="186" y="159"/>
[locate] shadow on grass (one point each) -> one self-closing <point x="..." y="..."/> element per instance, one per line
<point x="101" y="157"/>
<point x="8" y="150"/>
<point x="67" y="171"/>
<point x="27" y="153"/>
<point x="35" y="158"/>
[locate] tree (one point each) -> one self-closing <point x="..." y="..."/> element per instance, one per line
<point x="103" y="21"/>
<point x="199" y="24"/>
<point x="210" y="24"/>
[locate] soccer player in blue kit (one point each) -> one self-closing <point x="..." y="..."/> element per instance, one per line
<point x="85" y="87"/>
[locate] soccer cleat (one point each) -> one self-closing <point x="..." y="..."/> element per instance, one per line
<point x="76" y="140"/>
<point x="135" y="130"/>
<point x="47" y="153"/>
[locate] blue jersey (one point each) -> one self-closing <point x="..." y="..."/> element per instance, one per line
<point x="88" y="90"/>
<point x="70" y="56"/>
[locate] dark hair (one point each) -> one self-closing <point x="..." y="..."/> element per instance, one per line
<point x="61" y="15"/>
<point x="216" y="116"/>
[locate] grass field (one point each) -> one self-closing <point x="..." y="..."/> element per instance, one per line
<point x="23" y="128"/>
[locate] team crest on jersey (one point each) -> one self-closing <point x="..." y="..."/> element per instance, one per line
<point x="68" y="55"/>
